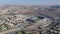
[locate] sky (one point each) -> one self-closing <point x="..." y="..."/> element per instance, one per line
<point x="32" y="2"/>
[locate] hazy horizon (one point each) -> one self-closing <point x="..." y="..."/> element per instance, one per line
<point x="30" y="2"/>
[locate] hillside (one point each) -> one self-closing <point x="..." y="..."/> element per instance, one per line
<point x="32" y="17"/>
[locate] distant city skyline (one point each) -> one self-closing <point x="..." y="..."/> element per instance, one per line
<point x="31" y="2"/>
